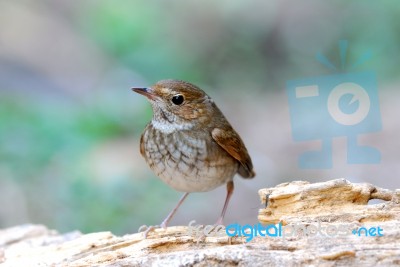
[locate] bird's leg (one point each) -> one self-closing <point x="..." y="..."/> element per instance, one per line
<point x="167" y="219"/>
<point x="172" y="213"/>
<point x="229" y="192"/>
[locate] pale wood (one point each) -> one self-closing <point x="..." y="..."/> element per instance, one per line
<point x="331" y="203"/>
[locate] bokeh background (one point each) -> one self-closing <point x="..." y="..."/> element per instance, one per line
<point x="70" y="125"/>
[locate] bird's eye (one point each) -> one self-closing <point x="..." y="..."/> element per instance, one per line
<point x="178" y="99"/>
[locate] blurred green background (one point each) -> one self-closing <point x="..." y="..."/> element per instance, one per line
<point x="70" y="125"/>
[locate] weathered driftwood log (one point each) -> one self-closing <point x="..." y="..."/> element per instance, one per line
<point x="332" y="201"/>
<point x="328" y="224"/>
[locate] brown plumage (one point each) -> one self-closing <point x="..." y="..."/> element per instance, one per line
<point x="189" y="143"/>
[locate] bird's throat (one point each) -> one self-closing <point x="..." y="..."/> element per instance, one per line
<point x="168" y="123"/>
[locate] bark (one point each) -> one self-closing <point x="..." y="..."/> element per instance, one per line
<point x="324" y="224"/>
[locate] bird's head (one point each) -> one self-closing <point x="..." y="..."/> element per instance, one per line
<point x="175" y="101"/>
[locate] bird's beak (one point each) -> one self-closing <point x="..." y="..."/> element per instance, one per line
<point x="146" y="91"/>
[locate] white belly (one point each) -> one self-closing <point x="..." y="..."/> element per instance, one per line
<point x="189" y="166"/>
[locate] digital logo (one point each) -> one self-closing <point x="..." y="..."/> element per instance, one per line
<point x="343" y="104"/>
<point x="282" y="231"/>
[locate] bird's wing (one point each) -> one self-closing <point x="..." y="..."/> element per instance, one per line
<point x="142" y="146"/>
<point x="142" y="151"/>
<point x="231" y="143"/>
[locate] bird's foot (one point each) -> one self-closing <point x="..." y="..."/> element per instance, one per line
<point x="147" y="229"/>
<point x="216" y="230"/>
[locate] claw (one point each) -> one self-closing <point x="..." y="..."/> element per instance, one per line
<point x="147" y="229"/>
<point x="142" y="228"/>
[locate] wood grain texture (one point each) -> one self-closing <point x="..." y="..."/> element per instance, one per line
<point x="332" y="203"/>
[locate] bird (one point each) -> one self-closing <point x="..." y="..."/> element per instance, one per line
<point x="189" y="144"/>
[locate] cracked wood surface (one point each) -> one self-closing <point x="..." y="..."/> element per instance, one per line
<point x="330" y="204"/>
